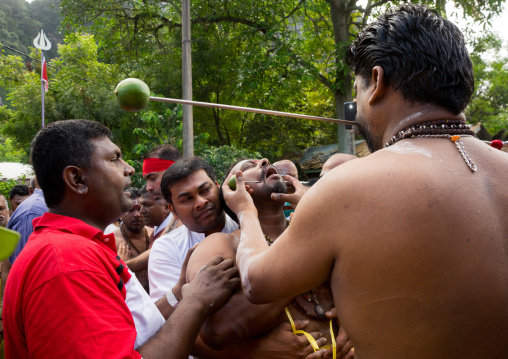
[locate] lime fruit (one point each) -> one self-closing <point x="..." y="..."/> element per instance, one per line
<point x="232" y="183"/>
<point x="132" y="94"/>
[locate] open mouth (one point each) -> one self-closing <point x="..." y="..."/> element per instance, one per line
<point x="271" y="171"/>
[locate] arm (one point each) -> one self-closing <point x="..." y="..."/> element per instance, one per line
<point x="140" y="262"/>
<point x="207" y="292"/>
<point x="307" y="247"/>
<point x="239" y="319"/>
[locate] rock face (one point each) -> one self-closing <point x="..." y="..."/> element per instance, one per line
<point x="132" y="94"/>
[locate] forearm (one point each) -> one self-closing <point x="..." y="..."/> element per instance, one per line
<point x="176" y="338"/>
<point x="252" y="243"/>
<point x="139" y="263"/>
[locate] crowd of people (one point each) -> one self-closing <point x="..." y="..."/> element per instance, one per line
<point x="400" y="254"/>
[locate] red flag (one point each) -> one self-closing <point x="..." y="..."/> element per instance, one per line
<point x="44" y="74"/>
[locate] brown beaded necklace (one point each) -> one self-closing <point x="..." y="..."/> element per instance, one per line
<point x="452" y="129"/>
<point x="129" y="242"/>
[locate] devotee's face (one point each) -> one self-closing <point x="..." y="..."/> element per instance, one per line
<point x="152" y="212"/>
<point x="153" y="184"/>
<point x="196" y="202"/>
<point x="261" y="170"/>
<point x="16" y="201"/>
<point x="4" y="212"/>
<point x="107" y="178"/>
<point x="132" y="219"/>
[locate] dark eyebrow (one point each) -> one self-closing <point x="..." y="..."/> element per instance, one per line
<point x="184" y="194"/>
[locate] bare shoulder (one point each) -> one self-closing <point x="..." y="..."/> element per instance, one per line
<point x="118" y="237"/>
<point x="223" y="244"/>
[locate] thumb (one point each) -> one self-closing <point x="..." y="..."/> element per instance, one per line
<point x="301" y="324"/>
<point x="279" y="197"/>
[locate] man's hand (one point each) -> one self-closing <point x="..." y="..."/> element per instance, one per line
<point x="123" y="251"/>
<point x="239" y="200"/>
<point x="213" y="285"/>
<point x="281" y="343"/>
<point x="292" y="198"/>
<point x="345" y="349"/>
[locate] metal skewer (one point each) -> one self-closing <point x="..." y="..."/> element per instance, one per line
<point x="250" y="109"/>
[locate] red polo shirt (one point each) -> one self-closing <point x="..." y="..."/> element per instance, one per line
<point x="65" y="297"/>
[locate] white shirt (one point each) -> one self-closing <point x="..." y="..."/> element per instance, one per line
<point x="167" y="256"/>
<point x="147" y="318"/>
<point x="163" y="225"/>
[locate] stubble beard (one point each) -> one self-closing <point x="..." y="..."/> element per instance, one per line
<point x="363" y="129"/>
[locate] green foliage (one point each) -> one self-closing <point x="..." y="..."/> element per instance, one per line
<point x="489" y="104"/>
<point x="9" y="151"/>
<point x="6" y="186"/>
<point x="21" y="21"/>
<point x="220" y="158"/>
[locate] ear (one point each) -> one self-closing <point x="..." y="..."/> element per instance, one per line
<point x="166" y="208"/>
<point x="377" y="80"/>
<point x="75" y="181"/>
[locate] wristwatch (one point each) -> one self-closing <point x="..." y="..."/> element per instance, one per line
<point x="172" y="300"/>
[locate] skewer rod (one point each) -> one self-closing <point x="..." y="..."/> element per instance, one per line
<point x="250" y="109"/>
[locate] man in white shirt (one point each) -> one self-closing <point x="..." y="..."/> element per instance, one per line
<point x="191" y="189"/>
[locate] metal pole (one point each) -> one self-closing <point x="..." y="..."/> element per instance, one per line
<point x="42" y="86"/>
<point x="188" y="130"/>
<point x="250" y="109"/>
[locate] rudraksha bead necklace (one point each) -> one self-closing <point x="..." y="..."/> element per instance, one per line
<point x="452" y="129"/>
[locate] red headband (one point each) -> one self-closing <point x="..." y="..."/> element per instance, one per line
<point x="155" y="165"/>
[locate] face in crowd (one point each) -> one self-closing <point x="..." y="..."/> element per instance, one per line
<point x="132" y="219"/>
<point x="265" y="177"/>
<point x="152" y="212"/>
<point x="4" y="212"/>
<point x="196" y="202"/>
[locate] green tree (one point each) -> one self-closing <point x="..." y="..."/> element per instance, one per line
<point x="288" y="49"/>
<point x="490" y="100"/>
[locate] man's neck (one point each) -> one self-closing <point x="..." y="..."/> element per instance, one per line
<point x="412" y="114"/>
<point x="271" y="217"/>
<point x="135" y="236"/>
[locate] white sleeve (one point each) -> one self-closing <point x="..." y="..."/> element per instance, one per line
<point x="147" y="318"/>
<point x="164" y="267"/>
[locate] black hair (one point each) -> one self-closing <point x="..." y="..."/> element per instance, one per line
<point x="165" y="152"/>
<point x="20" y="190"/>
<point x="423" y="55"/>
<point x="143" y="190"/>
<point x="134" y="192"/>
<point x="59" y="145"/>
<point x="181" y="170"/>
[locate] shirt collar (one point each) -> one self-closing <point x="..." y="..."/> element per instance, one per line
<point x="74" y="226"/>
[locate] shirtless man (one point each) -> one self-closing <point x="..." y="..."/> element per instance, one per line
<point x="133" y="235"/>
<point x="192" y="191"/>
<point x="412" y="240"/>
<point x="239" y="320"/>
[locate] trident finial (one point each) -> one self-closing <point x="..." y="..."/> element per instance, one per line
<point x="41" y="42"/>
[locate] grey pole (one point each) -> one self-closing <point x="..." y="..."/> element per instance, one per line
<point x="188" y="130"/>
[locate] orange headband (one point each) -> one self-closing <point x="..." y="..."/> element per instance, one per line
<point x="155" y="165"/>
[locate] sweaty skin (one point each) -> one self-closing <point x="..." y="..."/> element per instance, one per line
<point x="239" y="320"/>
<point x="411" y="240"/>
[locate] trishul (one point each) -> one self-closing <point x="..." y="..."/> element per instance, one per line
<point x="41" y="42"/>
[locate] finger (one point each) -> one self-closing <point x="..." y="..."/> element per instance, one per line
<point x="280" y="197"/>
<point x="332" y="313"/>
<point x="240" y="183"/>
<point x="300" y="324"/>
<point x="319" y="354"/>
<point x="294" y="181"/>
<point x="188" y="255"/>
<point x="213" y="262"/>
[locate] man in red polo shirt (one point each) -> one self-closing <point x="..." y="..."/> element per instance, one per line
<point x="69" y="295"/>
